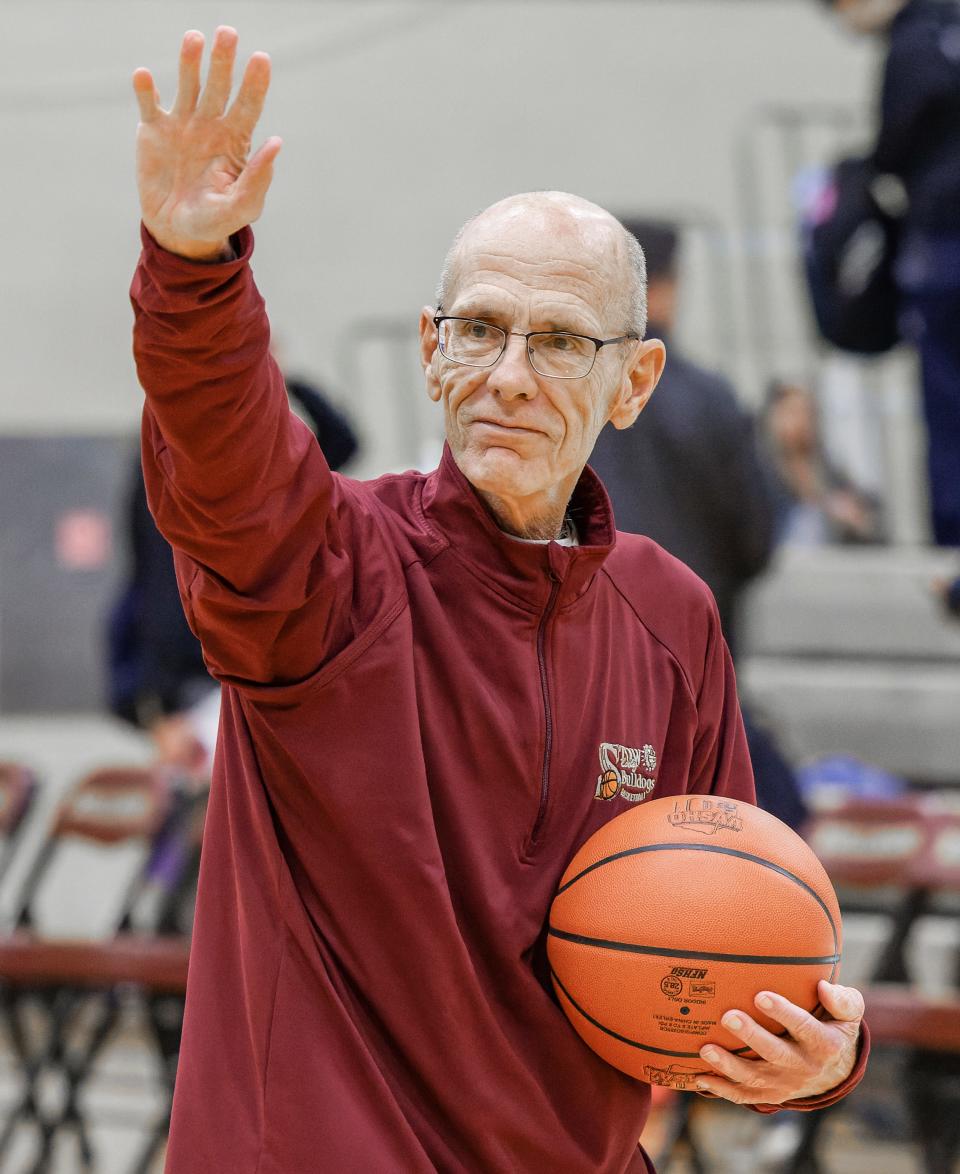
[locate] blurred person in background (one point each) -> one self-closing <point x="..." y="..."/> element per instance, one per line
<point x="157" y="677"/>
<point x="919" y="142"/>
<point x="949" y="594"/>
<point x="816" y="504"/>
<point x="690" y="474"/>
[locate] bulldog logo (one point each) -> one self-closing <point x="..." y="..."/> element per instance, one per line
<point x="621" y="772"/>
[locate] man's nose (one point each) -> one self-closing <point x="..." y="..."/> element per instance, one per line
<point x="512" y="375"/>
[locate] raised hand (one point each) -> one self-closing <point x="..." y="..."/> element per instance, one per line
<point x="197" y="181"/>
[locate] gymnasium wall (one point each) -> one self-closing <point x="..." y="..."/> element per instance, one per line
<point x="399" y="121"/>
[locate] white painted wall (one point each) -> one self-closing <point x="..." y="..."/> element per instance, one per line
<point x="636" y="105"/>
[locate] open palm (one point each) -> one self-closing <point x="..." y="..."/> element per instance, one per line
<point x="198" y="183"/>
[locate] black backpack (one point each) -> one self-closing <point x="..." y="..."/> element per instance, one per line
<point x="849" y="244"/>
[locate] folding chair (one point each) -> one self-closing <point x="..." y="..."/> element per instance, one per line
<point x="18" y="788"/>
<point x="109" y="807"/>
<point x="154" y="966"/>
<point x="872" y="851"/>
<point x="912" y="849"/>
<point x="929" y="1026"/>
<point x="165" y="1002"/>
<point x="679" y="1136"/>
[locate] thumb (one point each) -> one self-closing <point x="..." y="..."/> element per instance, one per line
<point x="251" y="187"/>
<point x="843" y="1003"/>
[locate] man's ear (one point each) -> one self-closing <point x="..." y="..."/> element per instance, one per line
<point x="429" y="355"/>
<point x="639" y="380"/>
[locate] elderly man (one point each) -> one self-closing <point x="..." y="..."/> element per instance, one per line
<point x="418" y="674"/>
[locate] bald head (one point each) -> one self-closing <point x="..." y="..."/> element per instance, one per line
<point x="532" y="221"/>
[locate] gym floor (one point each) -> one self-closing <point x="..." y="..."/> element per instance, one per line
<point x="121" y="1102"/>
<point x="869" y="1135"/>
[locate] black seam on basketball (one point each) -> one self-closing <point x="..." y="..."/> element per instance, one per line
<point x="632" y="1042"/>
<point x="712" y="848"/>
<point x="700" y="955"/>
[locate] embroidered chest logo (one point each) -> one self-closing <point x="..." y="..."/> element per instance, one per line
<point x="626" y="772"/>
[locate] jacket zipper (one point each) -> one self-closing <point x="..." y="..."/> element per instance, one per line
<point x="548" y="714"/>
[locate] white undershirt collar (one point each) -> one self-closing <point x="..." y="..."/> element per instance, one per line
<point x="567" y="537"/>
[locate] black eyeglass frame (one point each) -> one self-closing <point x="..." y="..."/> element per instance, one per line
<point x="597" y="342"/>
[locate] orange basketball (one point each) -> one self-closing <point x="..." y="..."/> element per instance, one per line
<point x="608" y="785"/>
<point x="679" y="911"/>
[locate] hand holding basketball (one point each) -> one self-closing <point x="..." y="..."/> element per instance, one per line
<point x="814" y="1057"/>
<point x="197" y="185"/>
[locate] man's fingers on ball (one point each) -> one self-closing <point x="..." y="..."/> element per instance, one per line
<point x="742" y="1072"/>
<point x="737" y="1094"/>
<point x="769" y="1047"/>
<point x="800" y="1024"/>
<point x="844" y="1003"/>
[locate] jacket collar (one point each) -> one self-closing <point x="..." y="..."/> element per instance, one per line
<point x="527" y="571"/>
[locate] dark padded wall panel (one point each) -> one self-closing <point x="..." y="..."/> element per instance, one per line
<point x="63" y="544"/>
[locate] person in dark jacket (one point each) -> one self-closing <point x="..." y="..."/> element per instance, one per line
<point x="690" y="474"/>
<point x="157" y="676"/>
<point x="919" y="141"/>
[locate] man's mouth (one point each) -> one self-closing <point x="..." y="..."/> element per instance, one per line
<point x="502" y="426"/>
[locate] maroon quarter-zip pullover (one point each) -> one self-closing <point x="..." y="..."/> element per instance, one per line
<point x="415" y="706"/>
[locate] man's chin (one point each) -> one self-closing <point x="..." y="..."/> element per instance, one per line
<point x="503" y="472"/>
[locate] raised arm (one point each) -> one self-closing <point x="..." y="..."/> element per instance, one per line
<point x="262" y="532"/>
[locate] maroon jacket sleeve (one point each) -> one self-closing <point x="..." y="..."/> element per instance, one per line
<point x="261" y="529"/>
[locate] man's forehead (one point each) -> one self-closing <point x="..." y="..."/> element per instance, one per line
<point x="563" y="248"/>
<point x="556" y="297"/>
<point x="544" y="232"/>
<point x="541" y="248"/>
<point x="543" y="297"/>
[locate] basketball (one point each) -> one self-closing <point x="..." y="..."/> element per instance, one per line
<point x="608" y="785"/>
<point x="678" y="911"/>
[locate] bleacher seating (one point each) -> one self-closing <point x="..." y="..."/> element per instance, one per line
<point x="848" y="651"/>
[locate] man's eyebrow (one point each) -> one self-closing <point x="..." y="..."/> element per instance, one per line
<point x="480" y="310"/>
<point x="566" y="327"/>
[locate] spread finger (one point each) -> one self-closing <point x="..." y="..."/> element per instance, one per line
<point x="188" y="84"/>
<point x="213" y="100"/>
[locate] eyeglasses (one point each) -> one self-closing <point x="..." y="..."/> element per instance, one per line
<point x="554" y="353"/>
